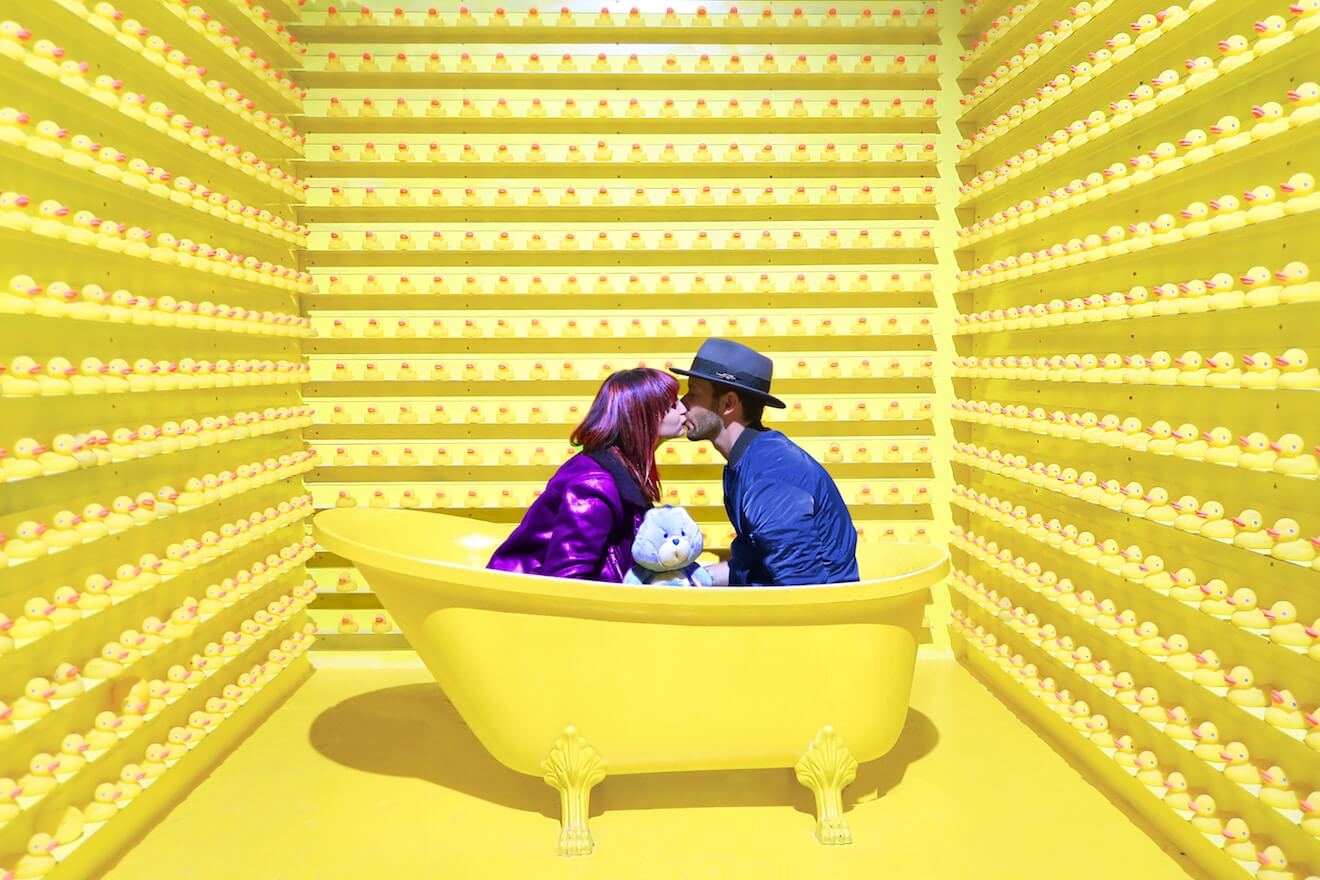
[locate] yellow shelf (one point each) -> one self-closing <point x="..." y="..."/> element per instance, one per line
<point x="52" y="178"/>
<point x="622" y="257"/>
<point x="708" y="515"/>
<point x="85" y="43"/>
<point x="558" y="125"/>
<point x="1196" y="36"/>
<point x="1231" y="798"/>
<point x="91" y="632"/>
<point x="101" y="845"/>
<point x="135" y="139"/>
<point x="1260" y="243"/>
<point x="624" y="82"/>
<point x="586" y="387"/>
<point x="1081" y="41"/>
<point x="76" y="489"/>
<point x="1273" y="578"/>
<point x="681" y="35"/>
<point x="1265" y="327"/>
<point x="1189" y="842"/>
<point x="1266" y="79"/>
<point x="232" y="13"/>
<point x="689" y="171"/>
<point x="75" y="338"/>
<point x="1274" y="664"/>
<point x="1235" y="488"/>
<point x="145" y="276"/>
<point x="611" y="213"/>
<point x="558" y="302"/>
<point x="557" y="431"/>
<point x="73" y="566"/>
<point x="1232" y="172"/>
<point x="981" y="17"/>
<point x="1021" y="30"/>
<point x="169" y="22"/>
<point x="541" y="473"/>
<point x="871" y="344"/>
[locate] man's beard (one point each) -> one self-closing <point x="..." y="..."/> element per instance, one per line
<point x="706" y="425"/>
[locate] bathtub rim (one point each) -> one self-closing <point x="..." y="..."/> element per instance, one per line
<point x="329" y="528"/>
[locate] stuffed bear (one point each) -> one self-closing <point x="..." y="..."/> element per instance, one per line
<point x="666" y="549"/>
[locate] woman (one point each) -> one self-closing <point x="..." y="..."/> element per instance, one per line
<point x="583" y="525"/>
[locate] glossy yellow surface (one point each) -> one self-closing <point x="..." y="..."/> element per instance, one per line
<point x="372" y="773"/>
<point x="655" y="678"/>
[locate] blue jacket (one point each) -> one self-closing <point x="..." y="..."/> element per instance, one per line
<point x="792" y="524"/>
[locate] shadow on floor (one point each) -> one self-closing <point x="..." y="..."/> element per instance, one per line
<point x="414" y="731"/>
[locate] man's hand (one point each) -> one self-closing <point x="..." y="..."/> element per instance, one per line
<point x="719" y="574"/>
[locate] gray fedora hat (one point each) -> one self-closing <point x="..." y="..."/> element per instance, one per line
<point x="734" y="364"/>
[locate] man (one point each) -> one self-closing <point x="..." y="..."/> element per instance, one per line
<point x="792" y="524"/>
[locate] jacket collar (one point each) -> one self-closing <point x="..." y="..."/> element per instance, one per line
<point x="743" y="443"/>
<point x="629" y="491"/>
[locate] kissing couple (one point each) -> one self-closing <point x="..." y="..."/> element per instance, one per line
<point x="791" y="525"/>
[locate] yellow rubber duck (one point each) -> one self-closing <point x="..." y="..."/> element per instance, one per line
<point x="1291" y="458"/>
<point x="1277" y="792"/>
<point x="1178" y="725"/>
<point x="1242" y="690"/>
<point x="1238" y="767"/>
<point x="1283" y="711"/>
<point x="1215" y="526"/>
<point x="1250" y="532"/>
<point x="1216" y="602"/>
<point x="1294" y="370"/>
<point x="1289" y="545"/>
<point x="1207" y="746"/>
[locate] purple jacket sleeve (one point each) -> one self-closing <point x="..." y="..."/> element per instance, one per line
<point x="588" y="515"/>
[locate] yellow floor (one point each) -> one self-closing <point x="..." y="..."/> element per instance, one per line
<point x="372" y="774"/>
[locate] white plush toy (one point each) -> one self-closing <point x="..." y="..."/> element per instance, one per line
<point x="666" y="549"/>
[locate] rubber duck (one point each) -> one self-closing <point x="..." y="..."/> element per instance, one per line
<point x="1242" y="690"/>
<point x="1295" y="372"/>
<point x="1289" y="545"/>
<point x="1178" y="726"/>
<point x="1276" y="791"/>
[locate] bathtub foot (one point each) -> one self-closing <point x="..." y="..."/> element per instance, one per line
<point x="827" y="769"/>
<point x="572" y="769"/>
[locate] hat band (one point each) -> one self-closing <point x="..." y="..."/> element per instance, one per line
<point x="722" y="373"/>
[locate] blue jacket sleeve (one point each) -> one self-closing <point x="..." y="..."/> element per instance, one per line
<point x="588" y="514"/>
<point x="780" y="519"/>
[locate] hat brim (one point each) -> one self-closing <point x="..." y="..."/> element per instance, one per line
<point x="770" y="399"/>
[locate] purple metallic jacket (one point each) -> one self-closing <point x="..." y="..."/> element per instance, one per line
<point x="583" y="524"/>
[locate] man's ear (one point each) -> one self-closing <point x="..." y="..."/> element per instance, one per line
<point x="728" y="405"/>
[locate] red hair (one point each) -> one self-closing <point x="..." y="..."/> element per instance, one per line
<point x="625" y="417"/>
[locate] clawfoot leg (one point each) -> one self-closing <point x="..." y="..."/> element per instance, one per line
<point x="572" y="768"/>
<point x="827" y="769"/>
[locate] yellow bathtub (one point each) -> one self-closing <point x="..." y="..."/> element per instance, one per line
<point x="571" y="680"/>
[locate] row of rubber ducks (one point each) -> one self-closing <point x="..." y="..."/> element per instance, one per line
<point x="24" y="296"/>
<point x="662" y="283"/>
<point x="1262" y="204"/>
<point x="70" y="452"/>
<point x="686" y="239"/>
<point x="603" y="63"/>
<point x="52" y="61"/>
<point x="604" y="152"/>
<point x="45" y="850"/>
<point x="540" y="413"/>
<point x="1285" y="540"/>
<point x="1196" y="146"/>
<point x="503" y="371"/>
<point x="637" y="108"/>
<point x="262" y="18"/>
<point x="1290" y="370"/>
<point x="1002" y="26"/>
<point x="1241" y="606"/>
<point x="41" y="696"/>
<point x="131" y="34"/>
<point x="898" y="16"/>
<point x="52" y="141"/>
<point x="479" y="455"/>
<point x="26" y="377"/>
<point x="1303" y="107"/>
<point x="349" y="624"/>
<point x="640" y="196"/>
<point x="1226" y="134"/>
<point x="1257" y="287"/>
<point x="41" y="616"/>
<point x="1256" y="451"/>
<point x="67" y="529"/>
<point x="1277" y="624"/>
<point x="473" y="328"/>
<point x="50" y="219"/>
<point x="1231" y="835"/>
<point x="862" y="494"/>
<point x="1236" y="52"/>
<point x="1143" y="31"/>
